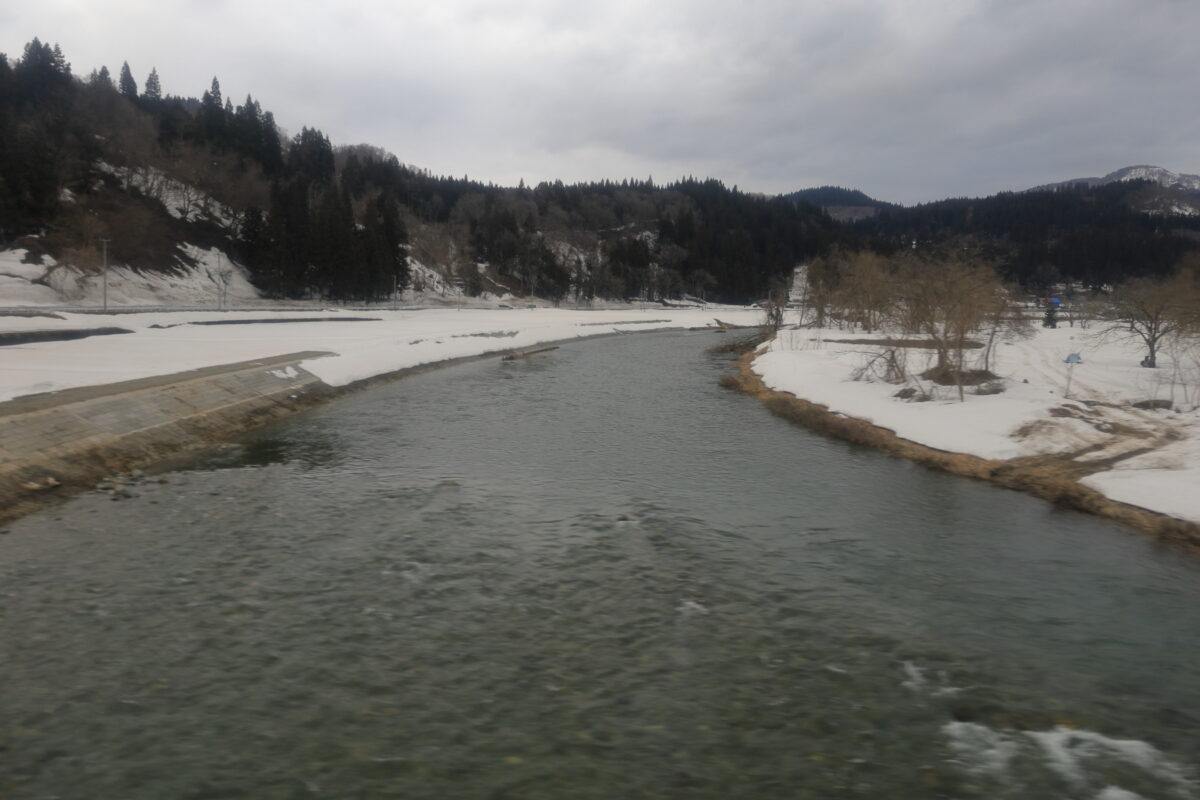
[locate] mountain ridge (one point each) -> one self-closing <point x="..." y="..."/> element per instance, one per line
<point x="1159" y="175"/>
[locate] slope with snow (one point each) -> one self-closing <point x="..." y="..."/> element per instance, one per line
<point x="213" y="280"/>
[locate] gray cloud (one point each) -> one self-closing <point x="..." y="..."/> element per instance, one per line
<point x="909" y="100"/>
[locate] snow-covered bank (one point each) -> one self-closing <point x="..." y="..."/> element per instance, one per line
<point x="1047" y="407"/>
<point x="162" y="343"/>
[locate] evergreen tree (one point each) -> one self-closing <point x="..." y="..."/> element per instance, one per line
<point x="271" y="149"/>
<point x="211" y="119"/>
<point x="127" y="85"/>
<point x="61" y="64"/>
<point x="310" y="156"/>
<point x="103" y="78"/>
<point x="42" y="77"/>
<point x="153" y="89"/>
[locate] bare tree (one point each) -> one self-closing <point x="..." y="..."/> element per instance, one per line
<point x="821" y="281"/>
<point x="948" y="301"/>
<point x="865" y="290"/>
<point x="1005" y="321"/>
<point x="1151" y="310"/>
<point x="776" y="303"/>
<point x="221" y="277"/>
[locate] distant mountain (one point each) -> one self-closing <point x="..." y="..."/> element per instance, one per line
<point x="844" y="205"/>
<point x="1169" y="192"/>
<point x="1163" y="177"/>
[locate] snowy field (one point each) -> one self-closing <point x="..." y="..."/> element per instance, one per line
<point x="368" y="342"/>
<point x="1046" y="406"/>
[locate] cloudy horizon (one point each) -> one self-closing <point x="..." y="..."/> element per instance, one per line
<point x="908" y="101"/>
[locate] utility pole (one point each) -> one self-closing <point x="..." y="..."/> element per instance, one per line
<point x="105" y="242"/>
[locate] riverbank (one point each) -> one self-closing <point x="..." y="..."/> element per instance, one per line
<point x="1078" y="440"/>
<point x="79" y="407"/>
<point x="594" y="542"/>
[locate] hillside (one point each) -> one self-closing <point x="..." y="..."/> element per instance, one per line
<point x="843" y="205"/>
<point x="97" y="172"/>
<point x="1094" y="235"/>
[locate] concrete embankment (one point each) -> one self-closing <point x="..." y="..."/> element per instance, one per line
<point x="53" y="443"/>
<point x="59" y="443"/>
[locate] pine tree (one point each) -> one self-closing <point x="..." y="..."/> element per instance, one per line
<point x="212" y="115"/>
<point x="128" y="85"/>
<point x="103" y="78"/>
<point x="42" y="75"/>
<point x="153" y="90"/>
<point x="271" y="154"/>
<point x="61" y="64"/>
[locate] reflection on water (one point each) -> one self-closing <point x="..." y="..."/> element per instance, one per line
<point x="592" y="575"/>
<point x="322" y="449"/>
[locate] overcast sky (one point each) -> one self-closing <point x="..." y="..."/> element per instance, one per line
<point x="908" y="100"/>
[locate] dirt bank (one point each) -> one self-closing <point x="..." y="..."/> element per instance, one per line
<point x="1054" y="477"/>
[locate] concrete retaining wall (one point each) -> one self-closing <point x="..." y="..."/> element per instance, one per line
<point x="52" y="443"/>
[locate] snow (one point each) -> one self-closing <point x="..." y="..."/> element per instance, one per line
<point x="1163" y="177"/>
<point x="1046" y="406"/>
<point x="1165" y="480"/>
<point x="165" y="342"/>
<point x="12" y="265"/>
<point x="51" y="284"/>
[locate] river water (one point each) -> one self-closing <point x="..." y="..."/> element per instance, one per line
<point x="593" y="574"/>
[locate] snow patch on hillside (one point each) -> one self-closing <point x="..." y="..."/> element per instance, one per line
<point x="181" y="200"/>
<point x="1163" y="177"/>
<point x="53" y="284"/>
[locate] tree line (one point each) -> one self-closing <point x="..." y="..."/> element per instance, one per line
<point x="958" y="305"/>
<point x="94" y="158"/>
<point x="85" y="159"/>
<point x="1096" y="236"/>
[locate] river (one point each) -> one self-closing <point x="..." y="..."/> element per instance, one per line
<point x="590" y="574"/>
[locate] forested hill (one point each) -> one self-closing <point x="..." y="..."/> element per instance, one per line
<point x="837" y="196"/>
<point x="101" y="159"/>
<point x="843" y="205"/>
<point x="1097" y="235"/>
